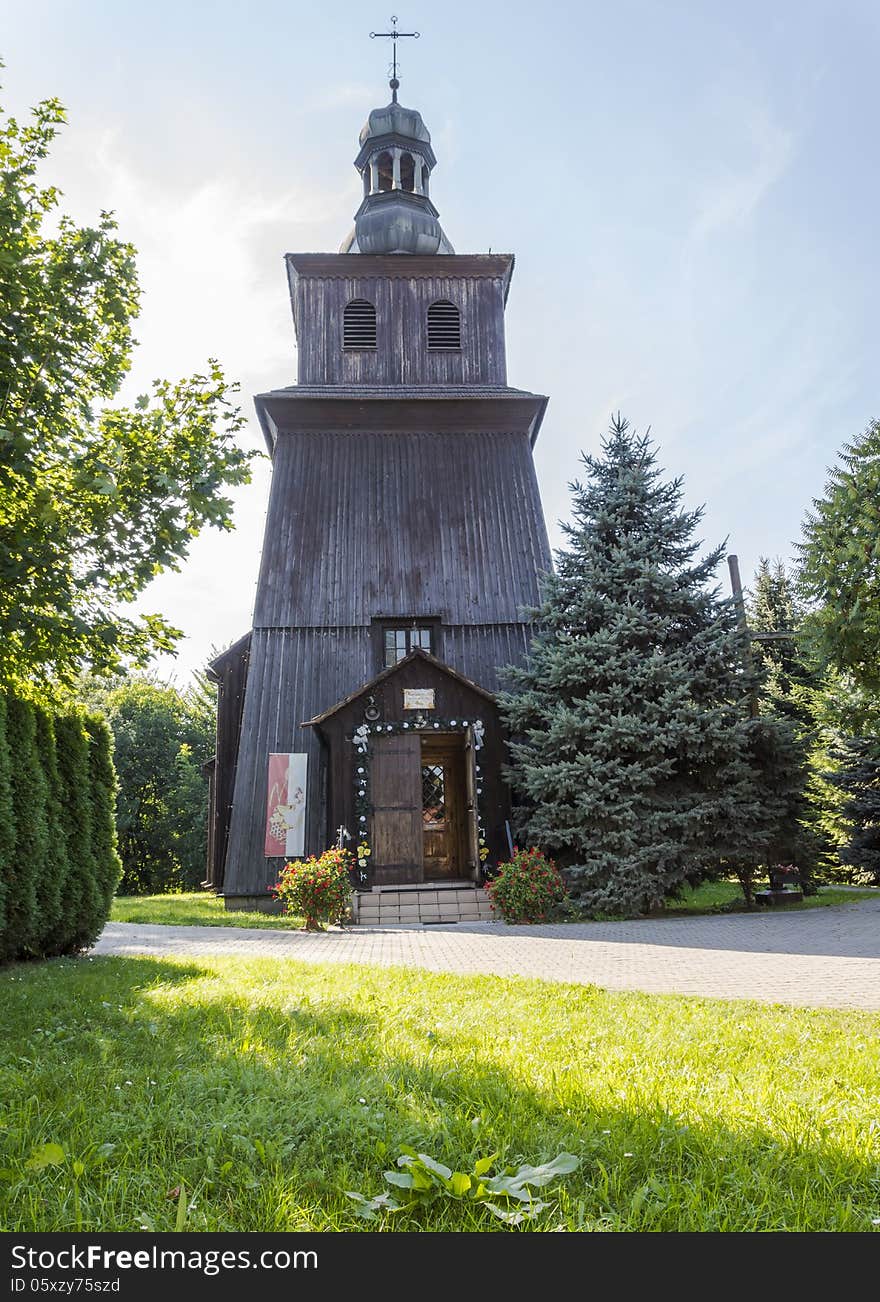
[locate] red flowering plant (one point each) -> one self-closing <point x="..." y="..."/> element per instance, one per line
<point x="318" y="890"/>
<point x="526" y="887"/>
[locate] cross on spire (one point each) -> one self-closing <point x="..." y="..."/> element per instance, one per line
<point x="395" y="36"/>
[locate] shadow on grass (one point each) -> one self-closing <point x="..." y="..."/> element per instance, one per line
<point x="270" y="1089"/>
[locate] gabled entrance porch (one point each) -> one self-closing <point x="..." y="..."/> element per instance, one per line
<point x="413" y="776"/>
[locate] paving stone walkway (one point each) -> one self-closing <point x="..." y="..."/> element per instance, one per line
<point x="822" y="958"/>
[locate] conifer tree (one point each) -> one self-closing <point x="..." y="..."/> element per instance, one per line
<point x="79" y="897"/>
<point x="7" y="822"/>
<point x="840" y="561"/>
<point x="106" y="867"/>
<point x="29" y="797"/>
<point x="634" y="756"/>
<point x="788" y="684"/>
<point x="51" y="872"/>
<point x="775" y="619"/>
<point x="859" y="778"/>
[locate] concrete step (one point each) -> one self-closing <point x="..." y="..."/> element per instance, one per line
<point x="426" y="905"/>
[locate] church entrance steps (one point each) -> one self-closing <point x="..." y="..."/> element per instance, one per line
<point x="430" y="904"/>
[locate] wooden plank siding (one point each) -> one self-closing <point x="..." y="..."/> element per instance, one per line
<point x="403" y="487"/>
<point x="453" y="700"/>
<point x="369" y="524"/>
<point x="229" y="671"/>
<point x="294" y="675"/>
<point x="401" y="291"/>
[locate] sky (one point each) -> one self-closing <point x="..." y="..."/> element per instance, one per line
<point x="690" y="188"/>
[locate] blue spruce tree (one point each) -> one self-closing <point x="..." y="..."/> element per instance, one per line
<point x="859" y="778"/>
<point x="635" y="756"/>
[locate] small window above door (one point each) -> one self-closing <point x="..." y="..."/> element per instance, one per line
<point x="399" y="642"/>
<point x="396" y="636"/>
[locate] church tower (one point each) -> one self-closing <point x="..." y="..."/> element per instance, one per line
<point x="404" y="538"/>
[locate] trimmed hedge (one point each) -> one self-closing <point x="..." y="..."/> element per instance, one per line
<point x="58" y="862"/>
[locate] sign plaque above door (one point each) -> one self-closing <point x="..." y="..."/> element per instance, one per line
<point x="418" y="698"/>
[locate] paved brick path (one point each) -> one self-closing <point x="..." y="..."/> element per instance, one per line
<point x="815" y="958"/>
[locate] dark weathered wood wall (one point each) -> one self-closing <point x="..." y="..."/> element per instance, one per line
<point x="294" y="675"/>
<point x="401" y="289"/>
<point x="229" y="671"/>
<point x="453" y="700"/>
<point x="366" y="524"/>
<point x="403" y="485"/>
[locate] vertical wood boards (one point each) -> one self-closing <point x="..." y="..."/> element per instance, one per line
<point x="323" y="287"/>
<point x="229" y="670"/>
<point x="403" y="486"/>
<point x="454" y="699"/>
<point x="397" y="810"/>
<point x="296" y="673"/>
<point x="369" y="524"/>
<point x="472" y="836"/>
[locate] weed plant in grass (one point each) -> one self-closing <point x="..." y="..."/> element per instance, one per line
<point x="268" y="1089"/>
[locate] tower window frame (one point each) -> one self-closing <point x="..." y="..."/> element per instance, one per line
<point x="396" y="636"/>
<point x="444" y="326"/>
<point x="359" y="326"/>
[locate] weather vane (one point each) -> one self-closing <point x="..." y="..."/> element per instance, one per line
<point x="395" y="36"/>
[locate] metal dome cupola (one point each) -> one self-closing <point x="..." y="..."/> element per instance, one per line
<point x="395" y="162"/>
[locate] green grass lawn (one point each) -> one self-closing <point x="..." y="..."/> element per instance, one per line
<point x="712" y="897"/>
<point x="199" y="909"/>
<point x="266" y="1089"/>
<point x="194" y="909"/>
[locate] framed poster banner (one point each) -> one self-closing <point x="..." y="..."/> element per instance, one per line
<point x="286" y="806"/>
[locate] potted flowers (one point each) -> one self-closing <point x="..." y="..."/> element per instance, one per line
<point x="318" y="890"/>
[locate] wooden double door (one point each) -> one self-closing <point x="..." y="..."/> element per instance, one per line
<point x="424" y="821"/>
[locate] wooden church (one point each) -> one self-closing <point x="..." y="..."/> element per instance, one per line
<point x="404" y="537"/>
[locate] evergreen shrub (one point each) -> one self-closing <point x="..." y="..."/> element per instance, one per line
<point x="52" y="869"/>
<point x="527" y="887"/>
<point x="58" y="861"/>
<point x="78" y="895"/>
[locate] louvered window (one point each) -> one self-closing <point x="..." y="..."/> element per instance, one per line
<point x="359" y="324"/>
<point x="444" y="325"/>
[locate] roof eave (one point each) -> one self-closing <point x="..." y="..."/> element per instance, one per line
<point x="416" y="653"/>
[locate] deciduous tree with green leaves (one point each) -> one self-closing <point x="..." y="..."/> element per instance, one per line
<point x="95" y="499"/>
<point x="162" y="737"/>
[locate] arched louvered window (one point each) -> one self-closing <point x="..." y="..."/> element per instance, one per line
<point x="359" y="324"/>
<point x="444" y="325"/>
